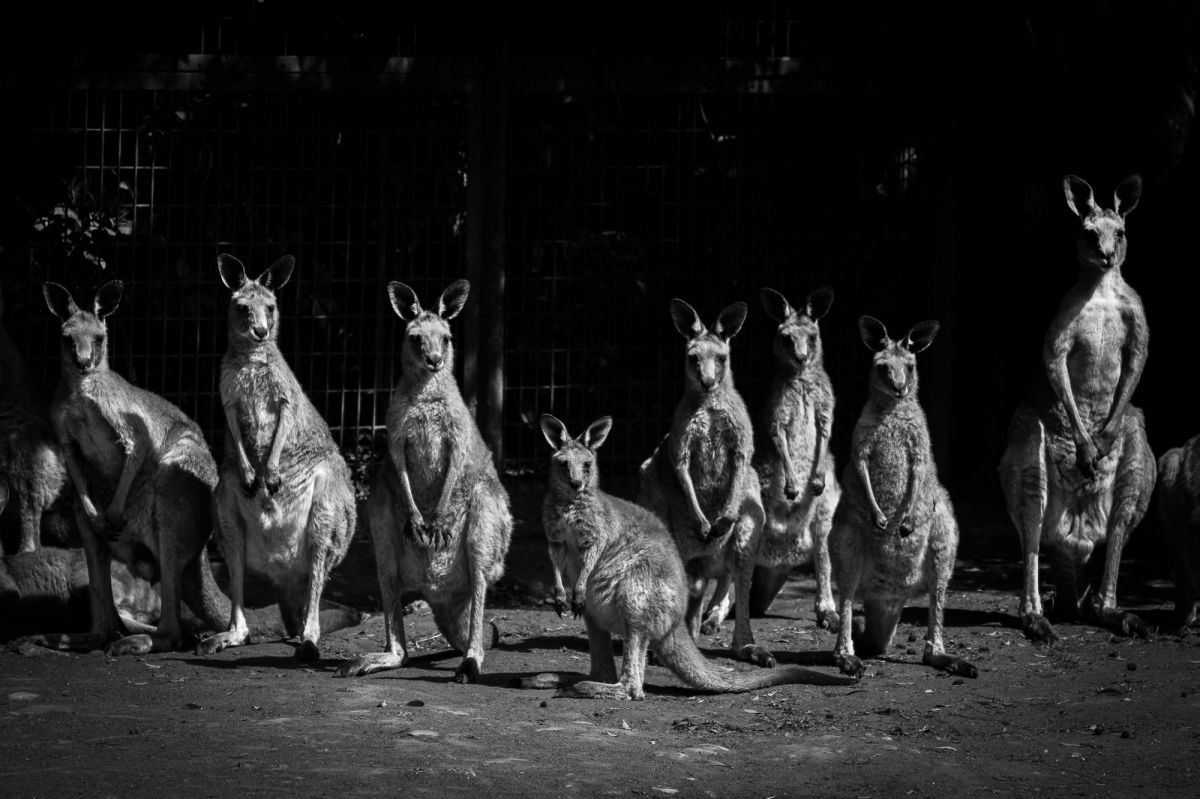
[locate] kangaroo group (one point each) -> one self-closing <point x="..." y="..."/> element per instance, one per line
<point x="726" y="507"/>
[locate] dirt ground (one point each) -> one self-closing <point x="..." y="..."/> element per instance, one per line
<point x="1093" y="714"/>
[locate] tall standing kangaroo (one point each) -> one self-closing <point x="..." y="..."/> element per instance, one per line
<point x="894" y="532"/>
<point x="1078" y="470"/>
<point x="143" y="461"/>
<point x="285" y="501"/>
<point x="628" y="580"/>
<point x="795" y="467"/>
<point x="32" y="472"/>
<point x="700" y="482"/>
<point x="438" y="513"/>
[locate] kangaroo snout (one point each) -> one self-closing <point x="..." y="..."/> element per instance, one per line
<point x="260" y="332"/>
<point x="434" y="362"/>
<point x="575" y="483"/>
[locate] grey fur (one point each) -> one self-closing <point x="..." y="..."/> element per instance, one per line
<point x="799" y="482"/>
<point x="894" y="533"/>
<point x="1077" y="469"/>
<point x="32" y="471"/>
<point x="1177" y="502"/>
<point x="285" y="500"/>
<point x="138" y="456"/>
<point x="438" y="513"/>
<point x="701" y="484"/>
<point x="628" y="580"/>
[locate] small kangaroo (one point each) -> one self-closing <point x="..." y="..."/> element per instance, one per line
<point x="795" y="467"/>
<point x="31" y="466"/>
<point x="140" y="458"/>
<point x="1077" y="469"/>
<point x="628" y="580"/>
<point x="700" y="483"/>
<point x="438" y="513"/>
<point x="894" y="532"/>
<point x="1177" y="501"/>
<point x="285" y="500"/>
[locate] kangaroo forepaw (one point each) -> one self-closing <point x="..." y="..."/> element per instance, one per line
<point x="816" y="486"/>
<point x="722" y="526"/>
<point x="850" y="665"/>
<point x="560" y="606"/>
<point x="710" y="626"/>
<point x="272" y="483"/>
<point x="366" y="664"/>
<point x="790" y="491"/>
<point x="308" y="652"/>
<point x="467" y="671"/>
<point x="218" y="642"/>
<point x="753" y="653"/>
<point x="1037" y="628"/>
<point x="131" y="645"/>
<point x="577" y="608"/>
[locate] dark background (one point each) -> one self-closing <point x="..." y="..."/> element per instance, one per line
<point x="595" y="160"/>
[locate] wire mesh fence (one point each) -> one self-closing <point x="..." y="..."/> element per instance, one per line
<point x="623" y="191"/>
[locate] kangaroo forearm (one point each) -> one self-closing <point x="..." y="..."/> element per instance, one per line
<point x="864" y="474"/>
<point x="78" y="480"/>
<point x="406" y="495"/>
<point x="684" y="475"/>
<point x="1061" y="384"/>
<point x="822" y="440"/>
<point x="235" y="430"/>
<point x="781" y="446"/>
<point x="283" y="431"/>
<point x="736" y="483"/>
<point x="133" y="462"/>
<point x="454" y="469"/>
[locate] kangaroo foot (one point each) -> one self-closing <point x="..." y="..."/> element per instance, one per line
<point x="467" y="671"/>
<point x="849" y="665"/>
<point x="143" y="644"/>
<point x="587" y="689"/>
<point x="1037" y="628"/>
<point x="219" y="641"/>
<point x="545" y="679"/>
<point x="829" y="620"/>
<point x="308" y="652"/>
<point x="753" y="653"/>
<point x="1127" y="624"/>
<point x="710" y="626"/>
<point x="950" y="663"/>
<point x="372" y="662"/>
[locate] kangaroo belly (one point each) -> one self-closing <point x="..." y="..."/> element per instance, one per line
<point x="895" y="567"/>
<point x="276" y="531"/>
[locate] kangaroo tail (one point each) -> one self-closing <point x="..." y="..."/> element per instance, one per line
<point x="202" y="594"/>
<point x="679" y="653"/>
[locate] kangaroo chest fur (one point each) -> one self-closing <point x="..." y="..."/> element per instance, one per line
<point x="257" y="388"/>
<point x="1096" y="333"/>
<point x="710" y="436"/>
<point x="427" y="423"/>
<point x="86" y="418"/>
<point x="883" y="438"/>
<point x="796" y="415"/>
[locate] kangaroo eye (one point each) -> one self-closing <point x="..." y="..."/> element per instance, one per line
<point x="446" y="339"/>
<point x="98" y="340"/>
<point x="270" y="309"/>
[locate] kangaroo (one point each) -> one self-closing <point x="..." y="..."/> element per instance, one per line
<point x="795" y="467"/>
<point x="31" y="466"/>
<point x="284" y="501"/>
<point x="140" y="458"/>
<point x="1177" y="502"/>
<point x="700" y="483"/>
<point x="894" y="532"/>
<point x="628" y="580"/>
<point x="438" y="513"/>
<point x="1077" y="469"/>
<point x="52" y="583"/>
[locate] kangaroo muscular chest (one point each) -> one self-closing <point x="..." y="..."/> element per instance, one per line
<point x="1098" y="337"/>
<point x="427" y="444"/>
<point x="710" y="442"/>
<point x="258" y="395"/>
<point x="97" y="441"/>
<point x="800" y="428"/>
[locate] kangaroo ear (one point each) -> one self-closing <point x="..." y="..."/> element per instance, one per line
<point x="404" y="301"/>
<point x="453" y="299"/>
<point x="59" y="300"/>
<point x="818" y="303"/>
<point x="1126" y="197"/>
<point x="233" y="272"/>
<point x="1079" y="196"/>
<point x="687" y="321"/>
<point x="108" y="297"/>
<point x="554" y="431"/>
<point x="873" y="333"/>
<point x="278" y="273"/>
<point x="597" y="432"/>
<point x="921" y="336"/>
<point x="730" y="320"/>
<point x="775" y="304"/>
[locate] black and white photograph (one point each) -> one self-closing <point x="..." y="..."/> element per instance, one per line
<point x="573" y="399"/>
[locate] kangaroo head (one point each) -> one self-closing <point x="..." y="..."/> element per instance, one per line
<point x="84" y="333"/>
<point x="427" y="346"/>
<point x="1101" y="244"/>
<point x="253" y="317"/>
<point x="894" y="373"/>
<point x="707" y="364"/>
<point x="797" y="339"/>
<point x="573" y="464"/>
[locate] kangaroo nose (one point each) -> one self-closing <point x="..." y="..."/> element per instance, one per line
<point x="434" y="362"/>
<point x="259" y="331"/>
<point x="576" y="483"/>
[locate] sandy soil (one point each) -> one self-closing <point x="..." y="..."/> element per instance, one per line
<point x="1094" y="714"/>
